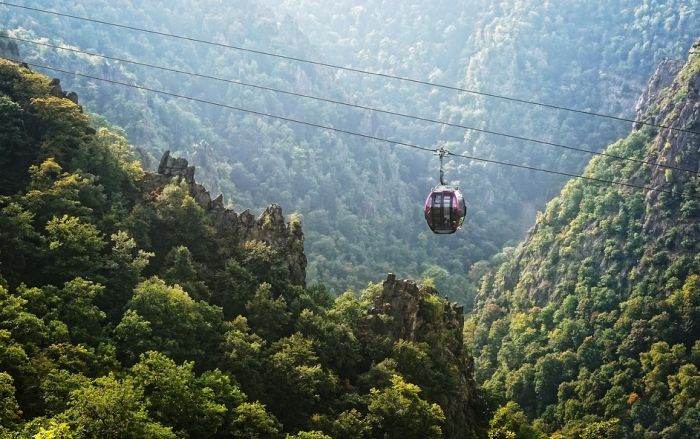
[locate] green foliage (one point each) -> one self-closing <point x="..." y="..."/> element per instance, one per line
<point x="308" y="435"/>
<point x="583" y="55"/>
<point x="75" y="246"/>
<point x="267" y="316"/>
<point x="112" y="408"/>
<point x="510" y="422"/>
<point x="10" y="412"/>
<point x="398" y="412"/>
<point x="251" y="420"/>
<point x="19" y="241"/>
<point x="590" y="325"/>
<point x="165" y="318"/>
<point x="180" y="221"/>
<point x="177" y="398"/>
<point x="297" y="383"/>
<point x="180" y="269"/>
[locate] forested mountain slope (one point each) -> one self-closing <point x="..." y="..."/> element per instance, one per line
<point x="592" y="322"/>
<point x="133" y="305"/>
<point x="589" y="55"/>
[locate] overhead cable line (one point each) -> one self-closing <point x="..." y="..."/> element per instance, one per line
<point x="348" y="69"/>
<point x="353" y="133"/>
<point x="361" y="107"/>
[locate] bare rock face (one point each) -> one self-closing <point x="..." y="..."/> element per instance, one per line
<point x="665" y="72"/>
<point x="417" y="314"/>
<point x="233" y="228"/>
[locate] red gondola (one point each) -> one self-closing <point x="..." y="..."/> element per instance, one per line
<point x="445" y="208"/>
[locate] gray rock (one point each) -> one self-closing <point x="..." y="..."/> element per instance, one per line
<point x="232" y="228"/>
<point x="406" y="311"/>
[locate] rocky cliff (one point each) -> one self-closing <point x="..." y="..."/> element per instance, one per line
<point x="405" y="311"/>
<point x="231" y="227"/>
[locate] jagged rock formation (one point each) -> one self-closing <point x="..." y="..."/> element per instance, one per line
<point x="664" y="75"/>
<point x="406" y="311"/>
<point x="231" y="227"/>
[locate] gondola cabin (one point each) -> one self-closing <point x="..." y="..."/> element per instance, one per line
<point x="445" y="209"/>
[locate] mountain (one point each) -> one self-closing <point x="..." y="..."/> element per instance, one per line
<point x="582" y="54"/>
<point x="133" y="304"/>
<point x="590" y="325"/>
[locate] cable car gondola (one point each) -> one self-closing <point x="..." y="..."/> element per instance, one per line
<point x="445" y="208"/>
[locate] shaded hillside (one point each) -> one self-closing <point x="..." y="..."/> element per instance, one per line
<point x="592" y="321"/>
<point x="134" y="305"/>
<point x="589" y="55"/>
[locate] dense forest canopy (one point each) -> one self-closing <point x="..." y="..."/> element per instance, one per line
<point x="132" y="305"/>
<point x="138" y="303"/>
<point x="591" y="325"/>
<point x="587" y="55"/>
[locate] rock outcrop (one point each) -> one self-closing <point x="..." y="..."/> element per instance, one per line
<point x="665" y="72"/>
<point x="231" y="227"/>
<point x="406" y="311"/>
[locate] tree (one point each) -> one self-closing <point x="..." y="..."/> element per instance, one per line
<point x="242" y="357"/>
<point x="309" y="435"/>
<point x="297" y="384"/>
<point x="124" y="267"/>
<point x="510" y="422"/>
<point x="234" y="286"/>
<point x="335" y="342"/>
<point x="19" y="242"/>
<point x="57" y="387"/>
<point x="180" y="269"/>
<point x="177" y="398"/>
<point x="9" y="409"/>
<point x="266" y="264"/>
<point x="74" y="305"/>
<point x="112" y="409"/>
<point x="350" y="424"/>
<point x="181" y="222"/>
<point x="397" y="411"/>
<point x="170" y="321"/>
<point x="267" y="316"/>
<point x="15" y="154"/>
<point x="75" y="249"/>
<point x="252" y="421"/>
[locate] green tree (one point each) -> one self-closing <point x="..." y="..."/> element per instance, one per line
<point x="335" y="342"/>
<point x="181" y="222"/>
<point x="510" y="422"/>
<point x="297" y="384"/>
<point x="15" y="153"/>
<point x="252" y="421"/>
<point x="167" y="319"/>
<point x="112" y="409"/>
<point x="124" y="267"/>
<point x="75" y="249"/>
<point x="74" y="305"/>
<point x="397" y="411"/>
<point x="267" y="316"/>
<point x="19" y="242"/>
<point x="242" y="357"/>
<point x="177" y="398"/>
<point x="234" y="286"/>
<point x="9" y="409"/>
<point x="309" y="435"/>
<point x="180" y="269"/>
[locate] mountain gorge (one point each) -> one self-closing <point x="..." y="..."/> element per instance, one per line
<point x="587" y="55"/>
<point x="156" y="280"/>
<point x="134" y="305"/>
<point x="593" y="319"/>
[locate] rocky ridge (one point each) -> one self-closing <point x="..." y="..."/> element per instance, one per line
<point x="405" y="310"/>
<point x="269" y="227"/>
